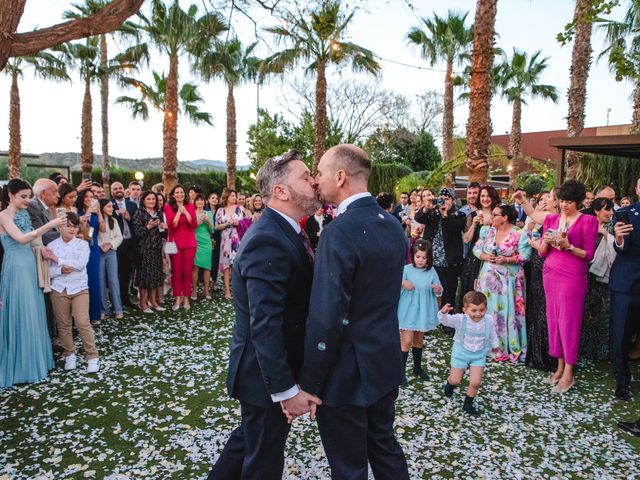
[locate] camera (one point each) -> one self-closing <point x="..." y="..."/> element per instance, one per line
<point x="440" y="202"/>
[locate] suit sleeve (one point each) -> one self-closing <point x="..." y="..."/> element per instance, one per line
<point x="266" y="277"/>
<point x="334" y="270"/>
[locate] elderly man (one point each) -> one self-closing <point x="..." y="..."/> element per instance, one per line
<point x="42" y="207"/>
<point x="272" y="276"/>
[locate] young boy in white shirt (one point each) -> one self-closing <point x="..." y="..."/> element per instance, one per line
<point x="68" y="256"/>
<point x="475" y="336"/>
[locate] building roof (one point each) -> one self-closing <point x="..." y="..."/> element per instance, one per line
<point x="612" y="145"/>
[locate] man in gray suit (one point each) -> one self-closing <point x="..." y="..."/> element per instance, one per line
<point x="42" y="207"/>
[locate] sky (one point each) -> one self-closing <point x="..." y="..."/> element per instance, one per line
<point x="51" y="111"/>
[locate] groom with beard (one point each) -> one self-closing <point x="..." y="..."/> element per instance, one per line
<point x="272" y="276"/>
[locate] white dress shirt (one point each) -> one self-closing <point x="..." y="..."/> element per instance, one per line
<point x="75" y="254"/>
<point x="348" y="201"/>
<point x="474" y="339"/>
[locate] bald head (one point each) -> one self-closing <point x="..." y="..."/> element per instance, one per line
<point x="353" y="160"/>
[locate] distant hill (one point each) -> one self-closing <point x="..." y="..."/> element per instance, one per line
<point x="71" y="159"/>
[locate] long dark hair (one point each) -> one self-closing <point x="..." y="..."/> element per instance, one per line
<point x="103" y="203"/>
<point x="172" y="201"/>
<point x="80" y="199"/>
<point x="13" y="187"/>
<point x="63" y="190"/>
<point x="422" y="245"/>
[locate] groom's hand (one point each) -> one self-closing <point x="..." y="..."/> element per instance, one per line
<point x="300" y="404"/>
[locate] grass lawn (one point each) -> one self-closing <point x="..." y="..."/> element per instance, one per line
<point x="158" y="409"/>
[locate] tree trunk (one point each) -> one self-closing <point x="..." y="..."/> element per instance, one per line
<point x="86" y="152"/>
<point x="479" y="123"/>
<point x="14" y="129"/>
<point x="447" y="123"/>
<point x="321" y="114"/>
<point x="104" y="112"/>
<point x="635" y="120"/>
<point x="13" y="44"/>
<point x="577" y="94"/>
<point x="231" y="137"/>
<point x="514" y="141"/>
<point x="170" y="129"/>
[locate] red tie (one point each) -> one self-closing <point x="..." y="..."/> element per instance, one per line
<point x="307" y="245"/>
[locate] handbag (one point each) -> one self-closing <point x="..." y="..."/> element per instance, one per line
<point x="170" y="247"/>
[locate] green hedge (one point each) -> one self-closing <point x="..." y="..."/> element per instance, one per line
<point x="383" y="177"/>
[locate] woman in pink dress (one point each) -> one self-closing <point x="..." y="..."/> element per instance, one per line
<point x="181" y="222"/>
<point x="568" y="243"/>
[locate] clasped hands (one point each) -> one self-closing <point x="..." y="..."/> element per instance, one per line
<point x="300" y="404"/>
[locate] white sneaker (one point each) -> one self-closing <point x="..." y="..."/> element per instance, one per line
<point x="93" y="365"/>
<point x="70" y="362"/>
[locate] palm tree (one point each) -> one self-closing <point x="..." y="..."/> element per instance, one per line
<point x="622" y="49"/>
<point x="317" y="40"/>
<point x="45" y="65"/>
<point x="175" y="31"/>
<point x="518" y="77"/>
<point x="577" y="94"/>
<point x="235" y="65"/>
<point x="479" y="122"/>
<point x="155" y="96"/>
<point x="444" y="39"/>
<point x="131" y="57"/>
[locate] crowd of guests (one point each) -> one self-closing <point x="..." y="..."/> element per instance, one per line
<point x="80" y="258"/>
<point x="557" y="272"/>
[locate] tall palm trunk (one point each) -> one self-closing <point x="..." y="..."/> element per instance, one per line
<point x="447" y="123"/>
<point x="231" y="137"/>
<point x="14" y="129"/>
<point x="86" y="151"/>
<point x="321" y="114"/>
<point x="515" y="138"/>
<point x="577" y="94"/>
<point x="104" y="111"/>
<point x="635" y="120"/>
<point x="170" y="128"/>
<point x="479" y="123"/>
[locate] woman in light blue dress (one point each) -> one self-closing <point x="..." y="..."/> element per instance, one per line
<point x="418" y="305"/>
<point x="25" y="347"/>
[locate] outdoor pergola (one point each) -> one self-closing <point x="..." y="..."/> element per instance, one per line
<point x="612" y="145"/>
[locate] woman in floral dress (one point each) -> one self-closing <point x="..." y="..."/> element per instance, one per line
<point x="504" y="248"/>
<point x="227" y="218"/>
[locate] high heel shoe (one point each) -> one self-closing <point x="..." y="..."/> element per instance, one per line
<point x="175" y="307"/>
<point x="558" y="389"/>
<point x="550" y="380"/>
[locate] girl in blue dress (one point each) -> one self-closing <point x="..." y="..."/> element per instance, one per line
<point x="418" y="305"/>
<point x="25" y="347"/>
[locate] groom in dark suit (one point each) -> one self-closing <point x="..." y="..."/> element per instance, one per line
<point x="351" y="356"/>
<point x="272" y="275"/>
<point x="624" y="285"/>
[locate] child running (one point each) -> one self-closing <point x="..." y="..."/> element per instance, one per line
<point x="475" y="336"/>
<point x="418" y="306"/>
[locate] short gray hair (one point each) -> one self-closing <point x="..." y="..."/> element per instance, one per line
<point x="273" y="171"/>
<point x="41" y="185"/>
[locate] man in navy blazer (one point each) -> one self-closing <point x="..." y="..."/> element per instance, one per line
<point x="272" y="276"/>
<point x="624" y="285"/>
<point x="351" y="357"/>
<point x="123" y="211"/>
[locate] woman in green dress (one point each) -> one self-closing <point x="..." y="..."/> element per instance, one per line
<point x="204" y="249"/>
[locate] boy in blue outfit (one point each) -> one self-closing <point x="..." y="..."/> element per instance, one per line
<point x="475" y="336"/>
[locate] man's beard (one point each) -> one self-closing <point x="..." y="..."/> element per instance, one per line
<point x="118" y="196"/>
<point x="309" y="204"/>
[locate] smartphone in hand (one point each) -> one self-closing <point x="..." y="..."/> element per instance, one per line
<point x="622" y="217"/>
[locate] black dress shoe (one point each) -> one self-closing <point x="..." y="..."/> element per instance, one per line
<point x="56" y="345"/>
<point x="623" y="393"/>
<point x="631" y="427"/>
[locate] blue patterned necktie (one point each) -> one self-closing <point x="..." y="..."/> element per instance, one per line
<point x="307" y="245"/>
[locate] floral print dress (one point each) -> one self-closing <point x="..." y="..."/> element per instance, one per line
<point x="504" y="286"/>
<point x="229" y="238"/>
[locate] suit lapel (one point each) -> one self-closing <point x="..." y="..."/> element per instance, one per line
<point x="289" y="232"/>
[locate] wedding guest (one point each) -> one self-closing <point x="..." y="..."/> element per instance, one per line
<point x="487" y="198"/>
<point x="257" y="207"/>
<point x="202" y="261"/>
<point x="504" y="249"/>
<point x="42" y="207"/>
<point x="135" y="192"/>
<point x="70" y="294"/>
<point x="91" y="217"/>
<point x="67" y="197"/>
<point x="227" y="218"/>
<point x="625" y="202"/>
<point x="25" y="347"/>
<point x="98" y="190"/>
<point x="401" y="210"/>
<point x="182" y="222"/>
<point x="192" y="193"/>
<point x="589" y="197"/>
<point x="109" y="241"/>
<point x="569" y="241"/>
<point x="149" y="275"/>
<point x="315" y="224"/>
<point x="416" y="228"/>
<point x="166" y="261"/>
<point x="123" y="211"/>
<point x="521" y="215"/>
<point x="213" y="202"/>
<point x="158" y="188"/>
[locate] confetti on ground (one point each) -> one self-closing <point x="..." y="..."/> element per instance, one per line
<point x="158" y="409"/>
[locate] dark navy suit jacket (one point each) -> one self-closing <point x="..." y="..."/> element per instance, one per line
<point x="272" y="276"/>
<point x="352" y="355"/>
<point x="625" y="272"/>
<point x="131" y="208"/>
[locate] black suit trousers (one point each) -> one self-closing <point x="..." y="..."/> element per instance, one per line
<point x="625" y="312"/>
<point x="127" y="260"/>
<point x="353" y="435"/>
<point x="255" y="450"/>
